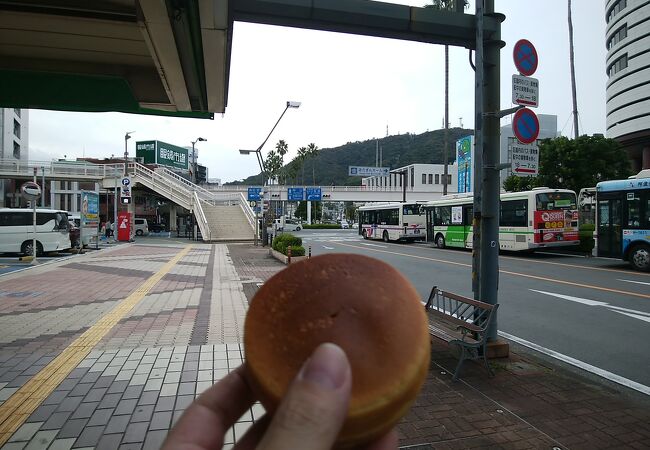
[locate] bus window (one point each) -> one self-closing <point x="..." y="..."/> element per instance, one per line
<point x="555" y="200"/>
<point x="633" y="211"/>
<point x="514" y="213"/>
<point x="442" y="215"/>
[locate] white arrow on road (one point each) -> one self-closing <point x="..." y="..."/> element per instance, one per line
<point x="640" y="315"/>
<point x="374" y="245"/>
<point x="329" y="248"/>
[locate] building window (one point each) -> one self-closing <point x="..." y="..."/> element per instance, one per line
<point x="617" y="66"/>
<point x="16" y="129"/>
<point x="412" y="176"/>
<point x="424" y="178"/>
<point x="16" y="150"/>
<point x="430" y="178"/>
<point x="449" y="179"/>
<point x="17" y="111"/>
<point x="437" y="178"/>
<point x="618" y="7"/>
<point x="617" y="37"/>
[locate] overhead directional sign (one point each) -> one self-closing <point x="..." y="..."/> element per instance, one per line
<point x="363" y="171"/>
<point x="525" y="57"/>
<point x="525" y="91"/>
<point x="314" y="194"/>
<point x="525" y="126"/>
<point x="525" y="158"/>
<point x="295" y="194"/>
<point x="254" y="194"/>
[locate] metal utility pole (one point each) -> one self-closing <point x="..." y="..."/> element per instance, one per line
<point x="127" y="136"/>
<point x="194" y="164"/>
<point x="576" y="133"/>
<point x="487" y="129"/>
<point x="445" y="152"/>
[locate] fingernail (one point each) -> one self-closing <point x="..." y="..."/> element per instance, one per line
<point x="327" y="367"/>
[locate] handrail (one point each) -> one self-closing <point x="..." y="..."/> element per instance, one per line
<point x="201" y="220"/>
<point x="61" y="168"/>
<point x="248" y="211"/>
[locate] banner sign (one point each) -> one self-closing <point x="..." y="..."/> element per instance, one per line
<point x="163" y="154"/>
<point x="362" y="171"/>
<point x="555" y="226"/>
<point x="464" y="152"/>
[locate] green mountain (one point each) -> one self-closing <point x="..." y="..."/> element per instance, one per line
<point x="330" y="167"/>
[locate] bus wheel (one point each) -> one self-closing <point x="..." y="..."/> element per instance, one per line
<point x="364" y="234"/>
<point x="385" y="236"/>
<point x="440" y="241"/>
<point x="640" y="257"/>
<point x="27" y="248"/>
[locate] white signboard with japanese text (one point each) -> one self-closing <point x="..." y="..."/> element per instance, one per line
<point x="361" y="171"/>
<point x="525" y="91"/>
<point x="524" y="158"/>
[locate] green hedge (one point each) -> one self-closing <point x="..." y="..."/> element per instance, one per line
<point x="321" y="226"/>
<point x="281" y="242"/>
<point x="586" y="236"/>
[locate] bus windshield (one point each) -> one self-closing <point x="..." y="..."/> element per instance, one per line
<point x="549" y="201"/>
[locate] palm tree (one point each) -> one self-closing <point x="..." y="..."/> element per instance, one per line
<point x="302" y="156"/>
<point x="446" y="5"/>
<point x="312" y="152"/>
<point x="281" y="149"/>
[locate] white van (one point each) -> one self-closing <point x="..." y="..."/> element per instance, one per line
<point x="289" y="225"/>
<point x="16" y="231"/>
<point x="141" y="227"/>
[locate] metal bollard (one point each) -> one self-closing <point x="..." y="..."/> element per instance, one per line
<point x="309" y="252"/>
<point x="289" y="254"/>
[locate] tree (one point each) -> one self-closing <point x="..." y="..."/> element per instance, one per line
<point x="301" y="210"/>
<point x="515" y="183"/>
<point x="578" y="163"/>
<point x="302" y="156"/>
<point x="312" y="152"/>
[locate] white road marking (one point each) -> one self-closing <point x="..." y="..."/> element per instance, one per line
<point x="635" y="316"/>
<point x="641" y="315"/>
<point x="329" y="248"/>
<point x="374" y="245"/>
<point x="582" y="365"/>
<point x="584" y="301"/>
<point x="637" y="282"/>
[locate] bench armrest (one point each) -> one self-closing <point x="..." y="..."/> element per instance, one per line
<point x="464" y="331"/>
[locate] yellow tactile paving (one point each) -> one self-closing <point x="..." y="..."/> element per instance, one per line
<point x="15" y="411"/>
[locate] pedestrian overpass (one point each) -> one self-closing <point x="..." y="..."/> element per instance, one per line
<point x="221" y="212"/>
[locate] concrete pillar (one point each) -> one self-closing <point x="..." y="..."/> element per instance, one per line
<point x="309" y="213"/>
<point x="645" y="158"/>
<point x="173" y="225"/>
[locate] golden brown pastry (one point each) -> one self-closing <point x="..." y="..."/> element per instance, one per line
<point x="361" y="304"/>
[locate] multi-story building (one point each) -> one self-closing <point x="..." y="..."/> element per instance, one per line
<point x="14" y="145"/>
<point x="627" y="39"/>
<point x="417" y="177"/>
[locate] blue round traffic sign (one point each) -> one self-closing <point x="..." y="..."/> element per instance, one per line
<point x="525" y="57"/>
<point x="525" y="126"/>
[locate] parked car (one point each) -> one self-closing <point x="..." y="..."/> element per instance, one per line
<point x="289" y="225"/>
<point x="156" y="227"/>
<point x="344" y="224"/>
<point x="141" y="227"/>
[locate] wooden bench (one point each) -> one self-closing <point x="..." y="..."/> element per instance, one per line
<point x="462" y="322"/>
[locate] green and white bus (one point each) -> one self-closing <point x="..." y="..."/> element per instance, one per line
<point x="392" y="221"/>
<point x="529" y="220"/>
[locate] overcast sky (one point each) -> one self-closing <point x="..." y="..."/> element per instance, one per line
<point x="352" y="88"/>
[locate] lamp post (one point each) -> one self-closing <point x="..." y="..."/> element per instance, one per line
<point x="194" y="158"/>
<point x="127" y="136"/>
<point x="260" y="160"/>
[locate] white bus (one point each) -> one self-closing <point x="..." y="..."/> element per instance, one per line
<point x="392" y="222"/>
<point x="528" y="220"/>
<point x="17" y="230"/>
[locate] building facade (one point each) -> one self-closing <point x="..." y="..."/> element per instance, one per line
<point x="417" y="177"/>
<point x="14" y="146"/>
<point x="627" y="39"/>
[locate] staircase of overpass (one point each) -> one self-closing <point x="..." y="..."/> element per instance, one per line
<point x="220" y="216"/>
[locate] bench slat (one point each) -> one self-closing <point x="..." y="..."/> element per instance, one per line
<point x="470" y="301"/>
<point x="439" y="315"/>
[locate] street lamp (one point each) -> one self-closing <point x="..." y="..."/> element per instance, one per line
<point x="260" y="160"/>
<point x="194" y="158"/>
<point x="127" y="136"/>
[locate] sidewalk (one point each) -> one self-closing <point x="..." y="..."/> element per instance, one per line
<point x="105" y="350"/>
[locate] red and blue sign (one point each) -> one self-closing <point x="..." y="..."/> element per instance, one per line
<point x="525" y="126"/>
<point x="525" y="57"/>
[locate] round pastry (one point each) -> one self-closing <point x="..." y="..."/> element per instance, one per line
<point x="361" y="304"/>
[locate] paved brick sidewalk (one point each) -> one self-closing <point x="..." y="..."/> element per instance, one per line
<point x="185" y="333"/>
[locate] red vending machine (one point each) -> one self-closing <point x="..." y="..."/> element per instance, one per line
<point x="124" y="226"/>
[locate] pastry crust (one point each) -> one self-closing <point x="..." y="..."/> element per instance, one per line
<point x="361" y="304"/>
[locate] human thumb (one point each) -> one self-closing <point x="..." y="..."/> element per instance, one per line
<point x="312" y="412"/>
